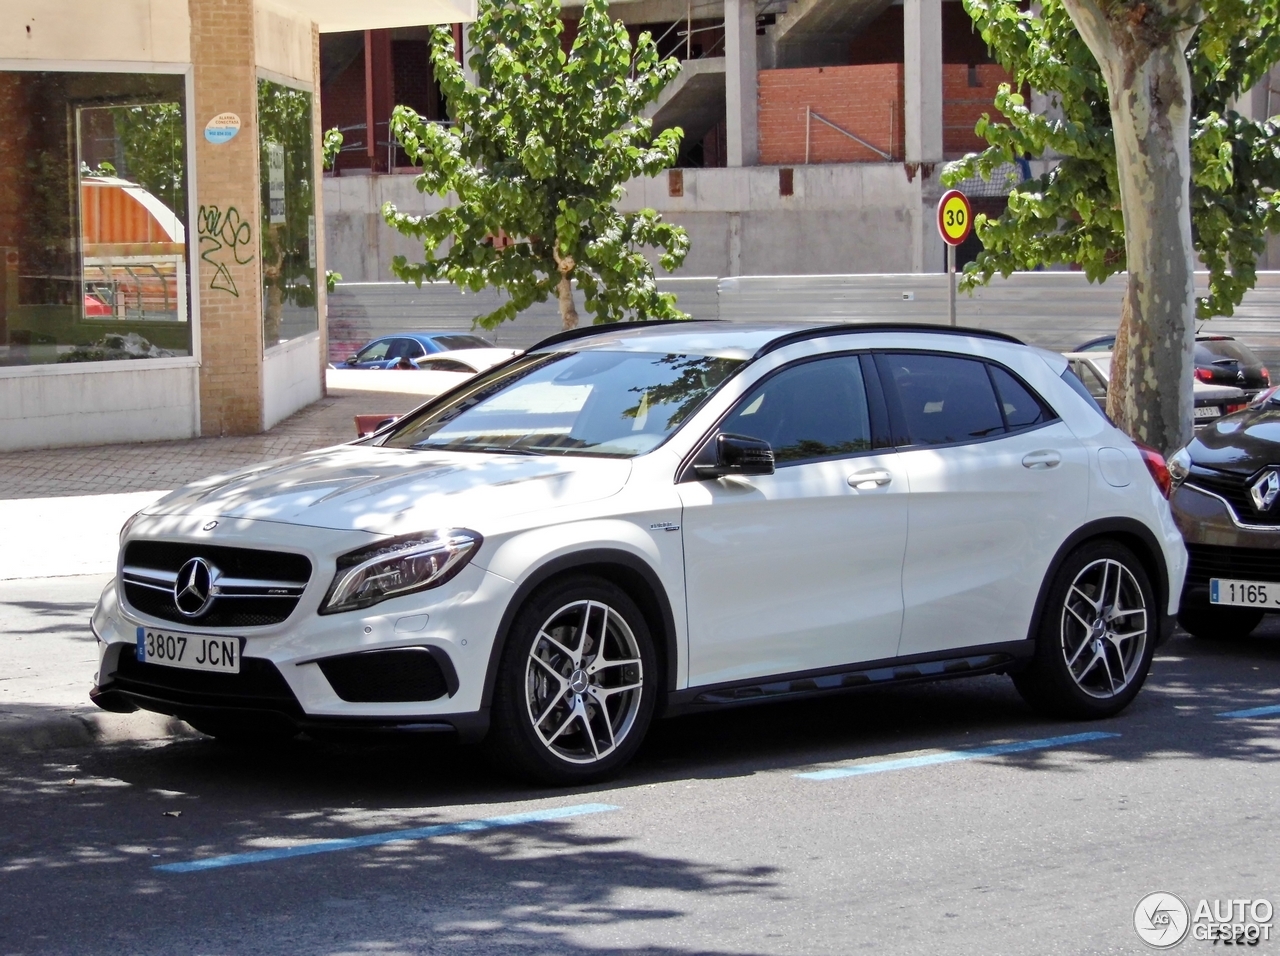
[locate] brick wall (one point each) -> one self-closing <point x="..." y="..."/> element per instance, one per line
<point x="864" y="99"/>
<point x="226" y="237"/>
<point x="963" y="103"/>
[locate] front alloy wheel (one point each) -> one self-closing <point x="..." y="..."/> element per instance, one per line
<point x="1096" y="635"/>
<point x="584" y="682"/>
<point x="576" y="686"/>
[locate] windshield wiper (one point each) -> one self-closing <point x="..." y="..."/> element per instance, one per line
<point x="490" y="449"/>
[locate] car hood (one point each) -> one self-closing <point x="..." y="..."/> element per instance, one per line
<point x="395" y="490"/>
<point x="1242" y="442"/>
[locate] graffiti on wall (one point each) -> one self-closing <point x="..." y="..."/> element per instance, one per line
<point x="223" y="236"/>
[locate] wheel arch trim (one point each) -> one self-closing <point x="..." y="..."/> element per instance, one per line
<point x="1126" y="531"/>
<point x="602" y="562"/>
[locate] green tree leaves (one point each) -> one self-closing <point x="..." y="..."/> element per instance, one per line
<point x="1071" y="214"/>
<point x="540" y="147"/>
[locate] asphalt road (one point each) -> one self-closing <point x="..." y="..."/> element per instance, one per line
<point x="709" y="843"/>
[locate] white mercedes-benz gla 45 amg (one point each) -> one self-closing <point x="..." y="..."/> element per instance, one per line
<point x="640" y="520"/>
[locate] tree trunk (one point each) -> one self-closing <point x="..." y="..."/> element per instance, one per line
<point x="568" y="314"/>
<point x="564" y="290"/>
<point x="1140" y="47"/>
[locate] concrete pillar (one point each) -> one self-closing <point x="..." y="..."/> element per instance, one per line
<point x="225" y="240"/>
<point x="922" y="80"/>
<point x="740" y="96"/>
<point x="922" y="120"/>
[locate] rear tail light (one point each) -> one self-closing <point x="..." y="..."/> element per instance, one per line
<point x="1156" y="465"/>
<point x="1266" y="376"/>
<point x="1204" y="374"/>
<point x="1236" y="407"/>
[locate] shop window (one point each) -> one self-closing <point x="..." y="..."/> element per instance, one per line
<point x="288" y="213"/>
<point x="93" y="218"/>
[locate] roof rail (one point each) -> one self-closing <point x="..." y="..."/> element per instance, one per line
<point x="568" y="335"/>
<point x="847" y="328"/>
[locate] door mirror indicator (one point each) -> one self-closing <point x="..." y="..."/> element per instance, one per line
<point x="738" y="455"/>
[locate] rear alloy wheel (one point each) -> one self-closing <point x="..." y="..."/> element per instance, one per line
<point x="1096" y="637"/>
<point x="1219" y="623"/>
<point x="576" y="687"/>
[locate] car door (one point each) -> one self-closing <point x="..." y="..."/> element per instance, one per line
<point x="801" y="569"/>
<point x="998" y="482"/>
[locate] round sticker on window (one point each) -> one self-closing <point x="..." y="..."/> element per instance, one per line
<point x="222" y="127"/>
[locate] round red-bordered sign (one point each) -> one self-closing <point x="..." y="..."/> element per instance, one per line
<point x="955" y="217"/>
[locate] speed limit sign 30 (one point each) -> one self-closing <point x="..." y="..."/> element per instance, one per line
<point x="955" y="217"/>
<point x="955" y="222"/>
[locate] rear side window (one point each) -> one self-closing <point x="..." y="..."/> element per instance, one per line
<point x="1096" y="401"/>
<point x="1021" y="408"/>
<point x="460" y="341"/>
<point x="944" y="398"/>
<point x="812" y="410"/>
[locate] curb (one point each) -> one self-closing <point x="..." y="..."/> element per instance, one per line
<point x="87" y="729"/>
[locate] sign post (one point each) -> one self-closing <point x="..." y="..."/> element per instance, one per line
<point x="955" y="221"/>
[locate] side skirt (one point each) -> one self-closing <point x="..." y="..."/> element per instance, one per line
<point x="957" y="662"/>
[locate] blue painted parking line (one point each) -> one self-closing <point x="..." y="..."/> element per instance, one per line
<point x="391" y="836"/>
<point x="1253" y="712"/>
<point x="951" y="756"/>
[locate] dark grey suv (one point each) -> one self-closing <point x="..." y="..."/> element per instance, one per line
<point x="1226" y="502"/>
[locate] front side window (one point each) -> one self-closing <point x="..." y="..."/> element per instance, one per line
<point x="812" y="410"/>
<point x="93" y="218"/>
<point x="944" y="398"/>
<point x="375" y="352"/>
<point x="614" y="404"/>
<point x="288" y="213"/>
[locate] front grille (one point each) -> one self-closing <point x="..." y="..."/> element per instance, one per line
<point x="1240" y="564"/>
<point x="258" y="686"/>
<point x="258" y="588"/>
<point x="1235" y="489"/>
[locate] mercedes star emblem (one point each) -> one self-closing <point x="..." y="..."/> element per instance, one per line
<point x="193" y="591"/>
<point x="1265" y="490"/>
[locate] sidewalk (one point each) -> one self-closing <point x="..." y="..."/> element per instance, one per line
<point x="60" y="516"/>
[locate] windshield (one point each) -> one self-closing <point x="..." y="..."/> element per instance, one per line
<point x="616" y="404"/>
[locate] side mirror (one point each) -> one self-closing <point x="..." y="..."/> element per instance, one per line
<point x="738" y="455"/>
<point x="351" y="360"/>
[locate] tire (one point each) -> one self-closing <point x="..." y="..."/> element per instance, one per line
<point x="559" y="715"/>
<point x="1082" y="643"/>
<point x="1219" y="623"/>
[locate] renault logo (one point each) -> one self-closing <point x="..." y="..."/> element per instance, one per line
<point x="194" y="590"/>
<point x="1265" y="490"/>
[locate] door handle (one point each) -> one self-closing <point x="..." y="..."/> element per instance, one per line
<point x="871" y="478"/>
<point x="1041" y="460"/>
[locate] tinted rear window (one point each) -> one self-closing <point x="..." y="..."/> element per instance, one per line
<point x="460" y="342"/>
<point x="1210" y="350"/>
<point x="944" y="398"/>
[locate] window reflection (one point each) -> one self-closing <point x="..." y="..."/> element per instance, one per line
<point x="92" y="218"/>
<point x="288" y="213"/>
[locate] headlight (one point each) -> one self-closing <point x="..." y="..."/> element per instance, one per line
<point x="413" y="562"/>
<point x="1179" y="464"/>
